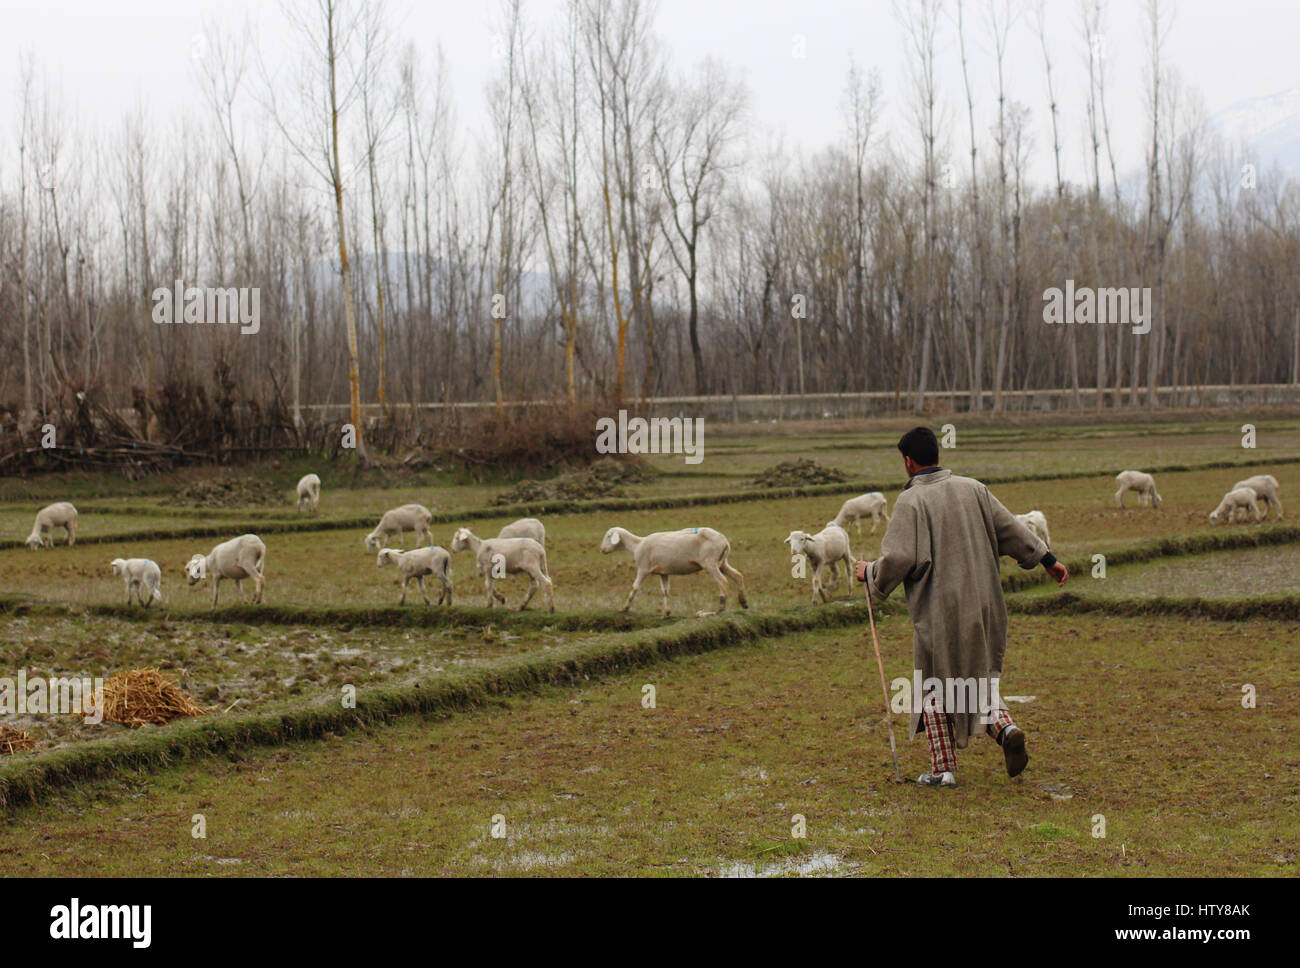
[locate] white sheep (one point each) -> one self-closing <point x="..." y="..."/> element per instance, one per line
<point x="1144" y="484"/>
<point x="409" y="517"/>
<point x="309" y="493"/>
<point x="855" y="509"/>
<point x="828" y="547"/>
<point x="498" y="557"/>
<point x="414" y="565"/>
<point x="1238" y="499"/>
<point x="525" y="528"/>
<point x="1036" y="521"/>
<point x="1265" y="488"/>
<point x="140" y="575"/>
<point x="237" y="559"/>
<point x="668" y="553"/>
<point x="61" y="515"/>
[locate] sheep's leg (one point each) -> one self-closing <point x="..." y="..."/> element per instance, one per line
<point x="739" y="579"/>
<point x="636" y="587"/>
<point x="550" y="592"/>
<point x="533" y="582"/>
<point x="816" y="586"/>
<point x="72" y="534"/>
<point x="875" y="520"/>
<point x="128" y="593"/>
<point x="857" y="523"/>
<point x="446" y="590"/>
<point x="663" y="587"/>
<point x="716" y="574"/>
<point x="1119" y="498"/>
<point x="405" y="581"/>
<point x="216" y="584"/>
<point x="423" y="593"/>
<point x="487" y="584"/>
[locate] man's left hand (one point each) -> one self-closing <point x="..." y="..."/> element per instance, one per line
<point x="860" y="570"/>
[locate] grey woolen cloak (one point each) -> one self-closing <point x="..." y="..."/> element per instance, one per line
<point x="943" y="545"/>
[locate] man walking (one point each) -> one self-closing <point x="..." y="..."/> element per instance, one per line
<point x="943" y="545"/>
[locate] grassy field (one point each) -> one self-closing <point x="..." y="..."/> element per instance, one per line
<point x="745" y="735"/>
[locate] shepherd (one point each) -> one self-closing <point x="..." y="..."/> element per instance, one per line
<point x="943" y="546"/>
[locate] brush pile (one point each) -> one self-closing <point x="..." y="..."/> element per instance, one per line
<point x="602" y="479"/>
<point x="146" y="696"/>
<point x="14" y="740"/>
<point x="796" y="473"/>
<point x="229" y="492"/>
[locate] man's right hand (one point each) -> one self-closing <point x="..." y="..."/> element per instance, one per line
<point x="860" y="570"/>
<point x="1060" y="573"/>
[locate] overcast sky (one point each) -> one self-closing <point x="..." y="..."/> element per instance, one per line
<point x="106" y="56"/>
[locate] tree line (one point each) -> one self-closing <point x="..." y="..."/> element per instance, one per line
<point x="617" y="226"/>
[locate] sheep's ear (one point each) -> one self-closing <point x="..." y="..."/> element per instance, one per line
<point x="613" y="538"/>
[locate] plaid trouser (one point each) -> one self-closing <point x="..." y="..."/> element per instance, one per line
<point x="938" y="730"/>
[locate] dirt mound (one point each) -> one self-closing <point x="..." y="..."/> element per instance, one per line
<point x="602" y="479"/>
<point x="228" y="492"/>
<point x="796" y="473"/>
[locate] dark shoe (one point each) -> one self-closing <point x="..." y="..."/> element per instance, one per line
<point x="1013" y="748"/>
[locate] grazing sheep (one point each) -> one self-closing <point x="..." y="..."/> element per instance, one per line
<point x="238" y="558"/>
<point x="309" y="493"/>
<point x="1238" y="499"/>
<point x="668" y="553"/>
<point x="525" y="528"/>
<point x="409" y="517"/>
<point x="61" y="515"/>
<point x="856" y="508"/>
<point x="830" y="546"/>
<point x="415" y="564"/>
<point x="140" y="575"/>
<point x="1036" y="521"/>
<point x="498" y="557"/>
<point x="1144" y="484"/>
<point x="1265" y="488"/>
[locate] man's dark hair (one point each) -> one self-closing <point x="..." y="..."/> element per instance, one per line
<point x="921" y="445"/>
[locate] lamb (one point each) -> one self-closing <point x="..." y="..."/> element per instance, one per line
<point x="1144" y="484"/>
<point x="668" y="553"/>
<point x="417" y="563"/>
<point x="856" y="508"/>
<point x="238" y="558"/>
<point x="409" y="517"/>
<point x="309" y="492"/>
<point x="1265" y="488"/>
<point x="1240" y="498"/>
<point x="61" y="515"/>
<point x="830" y="546"/>
<point x="140" y="575"/>
<point x="1036" y="521"/>
<point x="498" y="557"/>
<point x="525" y="528"/>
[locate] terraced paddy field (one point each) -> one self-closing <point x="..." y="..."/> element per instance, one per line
<point x="1135" y="681"/>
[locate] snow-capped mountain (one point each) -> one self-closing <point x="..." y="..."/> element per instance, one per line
<point x="1269" y="125"/>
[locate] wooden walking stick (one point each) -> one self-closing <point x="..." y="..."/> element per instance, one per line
<point x="884" y="689"/>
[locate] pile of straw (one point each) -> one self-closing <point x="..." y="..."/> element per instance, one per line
<point x="140" y="696"/>
<point x="14" y="740"/>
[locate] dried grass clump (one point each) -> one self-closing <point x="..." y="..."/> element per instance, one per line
<point x="140" y="696"/>
<point x="15" y="740"/>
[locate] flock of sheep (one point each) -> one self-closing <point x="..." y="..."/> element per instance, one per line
<point x="520" y="547"/>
